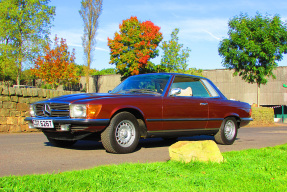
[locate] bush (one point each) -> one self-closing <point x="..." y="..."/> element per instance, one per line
<point x="262" y="116"/>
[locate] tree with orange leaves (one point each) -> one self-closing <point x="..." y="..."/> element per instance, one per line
<point x="57" y="66"/>
<point x="134" y="46"/>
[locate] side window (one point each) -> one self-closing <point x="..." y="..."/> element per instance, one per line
<point x="190" y="86"/>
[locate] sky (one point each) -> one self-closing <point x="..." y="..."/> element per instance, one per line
<point x="202" y="25"/>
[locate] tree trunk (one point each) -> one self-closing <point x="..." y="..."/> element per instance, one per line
<point x="258" y="95"/>
<point x="19" y="75"/>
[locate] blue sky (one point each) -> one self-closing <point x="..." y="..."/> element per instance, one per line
<point x="202" y="24"/>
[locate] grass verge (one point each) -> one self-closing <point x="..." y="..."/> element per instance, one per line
<point x="248" y="170"/>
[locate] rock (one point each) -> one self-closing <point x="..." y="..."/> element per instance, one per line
<point x="187" y="151"/>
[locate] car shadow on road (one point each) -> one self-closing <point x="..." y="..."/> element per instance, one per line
<point x="83" y="145"/>
<point x="159" y="142"/>
<point x="144" y="143"/>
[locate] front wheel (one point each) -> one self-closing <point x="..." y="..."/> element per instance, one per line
<point x="122" y="135"/>
<point x="227" y="132"/>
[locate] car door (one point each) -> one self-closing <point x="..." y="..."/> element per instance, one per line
<point x="186" y="110"/>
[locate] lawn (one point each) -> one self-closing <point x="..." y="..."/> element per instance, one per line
<point x="248" y="170"/>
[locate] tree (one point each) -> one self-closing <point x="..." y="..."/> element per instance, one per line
<point x="109" y="71"/>
<point x="254" y="46"/>
<point x="133" y="47"/>
<point x="90" y="12"/>
<point x="174" y="58"/>
<point x="24" y="30"/>
<point x="57" y="65"/>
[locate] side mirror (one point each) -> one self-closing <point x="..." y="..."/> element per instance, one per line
<point x="175" y="91"/>
<point x="109" y="91"/>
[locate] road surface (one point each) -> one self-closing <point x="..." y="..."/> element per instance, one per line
<point x="31" y="153"/>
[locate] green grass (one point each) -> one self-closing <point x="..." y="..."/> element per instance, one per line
<point x="249" y="170"/>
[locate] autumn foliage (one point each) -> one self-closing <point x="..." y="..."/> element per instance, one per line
<point x="134" y="45"/>
<point x="57" y="65"/>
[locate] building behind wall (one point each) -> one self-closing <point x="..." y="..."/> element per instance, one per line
<point x="273" y="94"/>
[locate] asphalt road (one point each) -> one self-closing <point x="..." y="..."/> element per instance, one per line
<point x="31" y="153"/>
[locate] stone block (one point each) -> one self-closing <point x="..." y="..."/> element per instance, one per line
<point x="15" y="113"/>
<point x="22" y="107"/>
<point x="12" y="121"/>
<point x="12" y="91"/>
<point x="5" y="98"/>
<point x="4" y="112"/>
<point x="25" y="114"/>
<point x="187" y="151"/>
<point x="21" y="121"/>
<point x="25" y="128"/>
<point x="44" y="93"/>
<point x="19" y="92"/>
<point x="24" y="92"/>
<point x="14" y="99"/>
<point x="15" y="129"/>
<point x="4" y="128"/>
<point x="34" y="92"/>
<point x="9" y="105"/>
<point x="5" y="91"/>
<point x="3" y="120"/>
<point x="24" y="100"/>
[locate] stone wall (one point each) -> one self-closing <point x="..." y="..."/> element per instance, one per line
<point x="233" y="87"/>
<point x="14" y="106"/>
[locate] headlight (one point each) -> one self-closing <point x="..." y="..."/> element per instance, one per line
<point x="85" y="111"/>
<point x="78" y="110"/>
<point x="32" y="111"/>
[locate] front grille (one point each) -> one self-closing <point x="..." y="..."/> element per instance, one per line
<point x="55" y="110"/>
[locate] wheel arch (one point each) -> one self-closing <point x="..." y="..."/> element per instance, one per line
<point x="237" y="118"/>
<point x="138" y="115"/>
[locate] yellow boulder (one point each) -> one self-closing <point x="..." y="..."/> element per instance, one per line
<point x="187" y="151"/>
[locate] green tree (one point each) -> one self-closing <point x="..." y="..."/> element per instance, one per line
<point x="174" y="58"/>
<point x="24" y="30"/>
<point x="134" y="46"/>
<point x="254" y="47"/>
<point x="109" y="71"/>
<point x="90" y="12"/>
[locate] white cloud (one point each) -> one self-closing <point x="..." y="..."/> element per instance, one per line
<point x="74" y="38"/>
<point x="197" y="29"/>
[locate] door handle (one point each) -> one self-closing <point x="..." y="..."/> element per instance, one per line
<point x="203" y="103"/>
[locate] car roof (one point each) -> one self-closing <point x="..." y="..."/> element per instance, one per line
<point x="174" y="74"/>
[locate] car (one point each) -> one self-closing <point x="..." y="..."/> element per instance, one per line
<point x="167" y="105"/>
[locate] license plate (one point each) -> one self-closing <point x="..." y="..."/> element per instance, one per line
<point x="43" y="123"/>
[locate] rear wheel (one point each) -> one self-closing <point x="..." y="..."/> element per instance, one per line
<point x="227" y="132"/>
<point x="122" y="135"/>
<point x="61" y="143"/>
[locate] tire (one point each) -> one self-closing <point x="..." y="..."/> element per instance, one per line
<point x="227" y="132"/>
<point x="122" y="135"/>
<point x="61" y="143"/>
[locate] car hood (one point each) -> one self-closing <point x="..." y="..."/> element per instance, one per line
<point x="83" y="97"/>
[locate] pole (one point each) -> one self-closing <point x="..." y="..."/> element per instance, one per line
<point x="282" y="113"/>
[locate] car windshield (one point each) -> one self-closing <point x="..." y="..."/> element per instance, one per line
<point x="143" y="84"/>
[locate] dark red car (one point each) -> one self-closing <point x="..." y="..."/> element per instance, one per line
<point x="152" y="105"/>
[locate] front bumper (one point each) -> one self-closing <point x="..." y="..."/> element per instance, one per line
<point x="77" y="124"/>
<point x="245" y="121"/>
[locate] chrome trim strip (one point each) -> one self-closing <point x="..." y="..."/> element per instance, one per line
<point x="246" y="119"/>
<point x="187" y="119"/>
<point x="183" y="130"/>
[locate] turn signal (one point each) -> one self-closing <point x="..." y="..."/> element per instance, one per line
<point x="250" y="112"/>
<point x="93" y="111"/>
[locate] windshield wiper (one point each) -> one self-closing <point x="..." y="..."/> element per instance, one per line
<point x="142" y="91"/>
